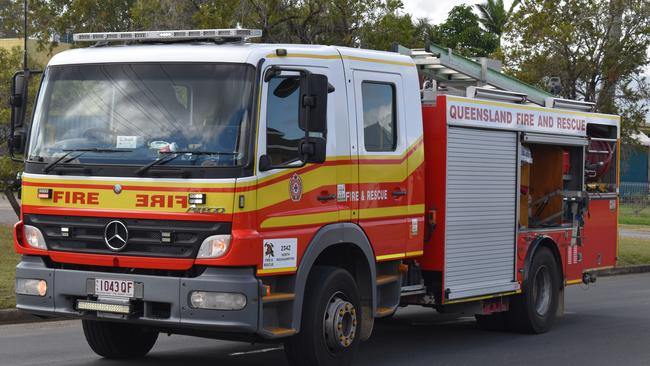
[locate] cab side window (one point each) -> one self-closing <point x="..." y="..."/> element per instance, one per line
<point x="283" y="134"/>
<point x="379" y="116"/>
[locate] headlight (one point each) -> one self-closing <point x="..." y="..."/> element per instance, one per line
<point x="214" y="246"/>
<point x="34" y="237"/>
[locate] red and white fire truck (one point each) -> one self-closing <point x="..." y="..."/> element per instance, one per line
<point x="190" y="182"/>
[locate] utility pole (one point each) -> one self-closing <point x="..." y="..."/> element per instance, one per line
<point x="25" y="68"/>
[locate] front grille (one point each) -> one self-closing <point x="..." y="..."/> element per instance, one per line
<point x="86" y="235"/>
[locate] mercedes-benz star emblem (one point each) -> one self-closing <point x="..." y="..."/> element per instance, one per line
<point x="117" y="188"/>
<point x="116" y="235"/>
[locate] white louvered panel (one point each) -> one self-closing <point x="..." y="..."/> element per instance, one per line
<point x="481" y="212"/>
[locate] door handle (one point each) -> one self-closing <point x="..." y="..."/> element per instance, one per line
<point x="399" y="193"/>
<point x="326" y="197"/>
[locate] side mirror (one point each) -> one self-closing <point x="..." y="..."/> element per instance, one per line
<point x="313" y="102"/>
<point x="315" y="149"/>
<point x="265" y="163"/>
<point x="18" y="103"/>
<point x="18" y="99"/>
<point x="17" y="141"/>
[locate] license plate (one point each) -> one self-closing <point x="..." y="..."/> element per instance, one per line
<point x="117" y="288"/>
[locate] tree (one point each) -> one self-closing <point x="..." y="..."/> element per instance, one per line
<point x="11" y="61"/>
<point x="390" y="26"/>
<point x="494" y="17"/>
<point x="462" y="32"/>
<point x="10" y="12"/>
<point x="597" y="47"/>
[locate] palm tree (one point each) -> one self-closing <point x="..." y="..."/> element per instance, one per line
<point x="494" y="17"/>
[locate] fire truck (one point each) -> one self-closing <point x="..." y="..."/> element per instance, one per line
<point x="192" y="182"/>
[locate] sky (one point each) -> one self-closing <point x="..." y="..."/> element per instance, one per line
<point x="436" y="10"/>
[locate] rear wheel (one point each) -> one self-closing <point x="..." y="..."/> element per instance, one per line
<point x="118" y="340"/>
<point x="534" y="311"/>
<point x="331" y="321"/>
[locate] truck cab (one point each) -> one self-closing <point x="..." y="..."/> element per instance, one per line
<point x="193" y="185"/>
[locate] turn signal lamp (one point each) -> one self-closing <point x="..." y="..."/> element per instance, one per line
<point x="34" y="237"/>
<point x="32" y="287"/>
<point x="214" y="246"/>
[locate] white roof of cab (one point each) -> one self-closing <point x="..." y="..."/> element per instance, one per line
<point x="208" y="52"/>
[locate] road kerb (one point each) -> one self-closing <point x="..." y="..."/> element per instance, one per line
<point x="623" y="270"/>
<point x="14" y="316"/>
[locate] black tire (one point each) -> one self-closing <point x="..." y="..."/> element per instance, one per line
<point x="118" y="340"/>
<point x="535" y="309"/>
<point x="327" y="289"/>
<point x="492" y="322"/>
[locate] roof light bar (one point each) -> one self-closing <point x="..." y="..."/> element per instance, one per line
<point x="169" y="35"/>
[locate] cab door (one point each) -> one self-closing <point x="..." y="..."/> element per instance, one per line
<point x="382" y="163"/>
<point x="293" y="200"/>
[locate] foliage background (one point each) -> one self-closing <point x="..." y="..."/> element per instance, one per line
<point x="599" y="48"/>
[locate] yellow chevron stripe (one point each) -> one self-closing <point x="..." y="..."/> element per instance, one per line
<point x="573" y="282"/>
<point x="415" y="254"/>
<point x="334" y="57"/>
<point x="386" y="257"/>
<point x="319" y="218"/>
<point x="276" y="270"/>
<point x="483" y="297"/>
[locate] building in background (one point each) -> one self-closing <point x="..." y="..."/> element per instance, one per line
<point x="635" y="172"/>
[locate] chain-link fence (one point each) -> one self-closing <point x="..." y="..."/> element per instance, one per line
<point x="634" y="197"/>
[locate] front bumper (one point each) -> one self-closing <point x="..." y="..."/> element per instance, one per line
<point x="65" y="287"/>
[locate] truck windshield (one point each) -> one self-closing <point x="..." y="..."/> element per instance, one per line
<point x="142" y="112"/>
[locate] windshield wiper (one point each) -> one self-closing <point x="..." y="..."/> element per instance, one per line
<point x="171" y="155"/>
<point x="56" y="162"/>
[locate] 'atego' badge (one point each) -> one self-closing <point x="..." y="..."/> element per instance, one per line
<point x="295" y="188"/>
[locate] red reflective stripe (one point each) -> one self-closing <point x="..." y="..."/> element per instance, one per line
<point x="121" y="261"/>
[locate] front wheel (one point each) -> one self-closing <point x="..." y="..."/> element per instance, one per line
<point x="534" y="311"/>
<point x="118" y="340"/>
<point x="331" y="320"/>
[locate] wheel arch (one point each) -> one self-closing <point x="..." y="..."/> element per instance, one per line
<point x="326" y="248"/>
<point x="543" y="242"/>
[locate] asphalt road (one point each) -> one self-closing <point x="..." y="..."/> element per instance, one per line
<point x="608" y="324"/>
<point x="636" y="234"/>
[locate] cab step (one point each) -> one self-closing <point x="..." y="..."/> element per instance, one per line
<point x="386" y="279"/>
<point x="384" y="311"/>
<point x="278" y="297"/>
<point x="280" y="332"/>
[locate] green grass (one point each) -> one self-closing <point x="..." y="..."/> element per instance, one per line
<point x="631" y="215"/>
<point x="633" y="251"/>
<point x="8" y="261"/>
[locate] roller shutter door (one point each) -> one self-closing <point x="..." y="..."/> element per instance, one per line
<point x="481" y="212"/>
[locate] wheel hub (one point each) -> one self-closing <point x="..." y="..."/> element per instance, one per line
<point x="339" y="323"/>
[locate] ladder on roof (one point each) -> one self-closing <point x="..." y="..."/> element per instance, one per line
<point x="457" y="72"/>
